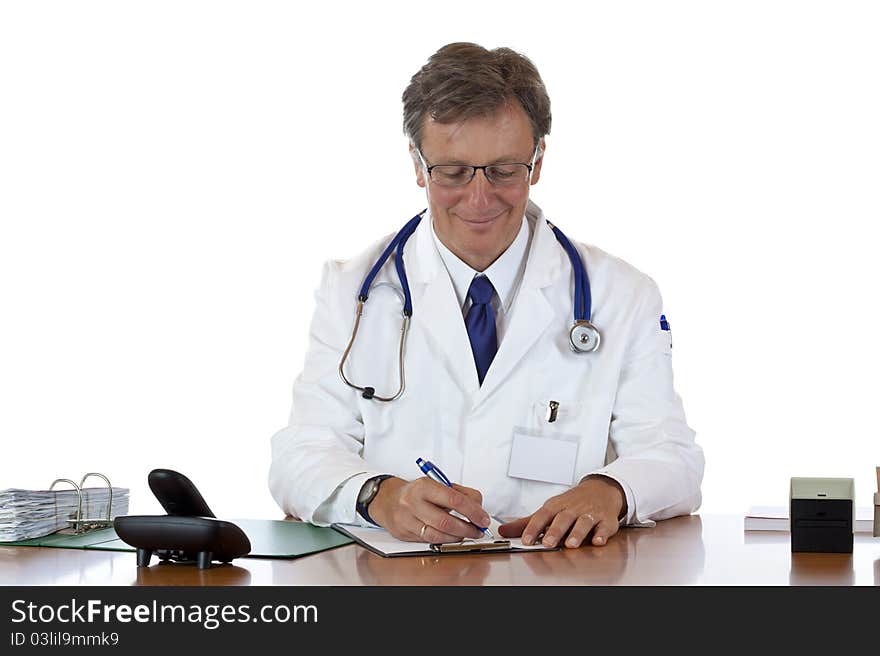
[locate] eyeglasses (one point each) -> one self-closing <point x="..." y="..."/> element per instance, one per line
<point x="458" y="175"/>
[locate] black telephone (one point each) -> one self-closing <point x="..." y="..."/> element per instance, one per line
<point x="190" y="532"/>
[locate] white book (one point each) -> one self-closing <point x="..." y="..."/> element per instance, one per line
<point x="775" y="518"/>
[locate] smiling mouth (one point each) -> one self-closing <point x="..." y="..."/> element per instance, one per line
<point x="481" y="220"/>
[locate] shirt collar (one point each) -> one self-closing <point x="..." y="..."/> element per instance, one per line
<point x="504" y="273"/>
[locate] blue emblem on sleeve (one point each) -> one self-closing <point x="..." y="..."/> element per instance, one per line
<point x="666" y="334"/>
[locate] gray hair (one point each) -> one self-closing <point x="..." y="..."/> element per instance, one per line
<point x="465" y="80"/>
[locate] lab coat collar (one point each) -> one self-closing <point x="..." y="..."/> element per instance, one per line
<point x="546" y="259"/>
<point x="504" y="273"/>
<point x="531" y="312"/>
<point x="437" y="312"/>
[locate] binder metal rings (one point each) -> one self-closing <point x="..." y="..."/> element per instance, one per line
<point x="80" y="524"/>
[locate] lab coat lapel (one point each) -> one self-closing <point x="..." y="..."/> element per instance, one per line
<point x="436" y="310"/>
<point x="531" y="312"/>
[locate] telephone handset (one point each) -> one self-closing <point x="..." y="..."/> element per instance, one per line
<point x="190" y="532"/>
<point x="177" y="494"/>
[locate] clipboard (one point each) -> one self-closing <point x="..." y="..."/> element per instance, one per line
<point x="382" y="543"/>
<point x="466" y="546"/>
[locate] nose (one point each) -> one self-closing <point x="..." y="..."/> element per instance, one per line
<point x="479" y="191"/>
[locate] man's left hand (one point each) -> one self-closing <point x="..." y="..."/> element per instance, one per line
<point x="596" y="504"/>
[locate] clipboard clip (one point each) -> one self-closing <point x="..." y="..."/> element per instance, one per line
<point x="467" y="546"/>
<point x="78" y="523"/>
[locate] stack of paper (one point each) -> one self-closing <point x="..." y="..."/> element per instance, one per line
<point x="775" y="518"/>
<point x="26" y="514"/>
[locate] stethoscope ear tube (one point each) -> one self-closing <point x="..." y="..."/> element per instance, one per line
<point x="397" y="243"/>
<point x="370" y="392"/>
<point x="398" y="240"/>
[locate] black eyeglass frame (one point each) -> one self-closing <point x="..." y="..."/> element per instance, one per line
<point x="474" y="169"/>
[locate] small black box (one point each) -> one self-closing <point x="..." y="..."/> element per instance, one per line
<point x="822" y="512"/>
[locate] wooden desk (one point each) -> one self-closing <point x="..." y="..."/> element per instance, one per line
<point x="695" y="550"/>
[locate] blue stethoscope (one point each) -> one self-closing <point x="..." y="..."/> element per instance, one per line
<point x="583" y="337"/>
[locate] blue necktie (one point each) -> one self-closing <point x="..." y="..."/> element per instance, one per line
<point x="480" y="324"/>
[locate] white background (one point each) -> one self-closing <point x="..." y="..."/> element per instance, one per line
<point x="173" y="174"/>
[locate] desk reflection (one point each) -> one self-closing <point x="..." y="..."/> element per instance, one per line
<point x="711" y="550"/>
<point x="671" y="553"/>
<point x="449" y="569"/>
<point x="52" y="566"/>
<point x="821" y="569"/>
<point x="171" y="573"/>
<point x="586" y="565"/>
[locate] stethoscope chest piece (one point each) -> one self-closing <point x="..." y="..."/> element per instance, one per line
<point x="584" y="337"/>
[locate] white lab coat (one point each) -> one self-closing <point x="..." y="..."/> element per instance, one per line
<point x="618" y="403"/>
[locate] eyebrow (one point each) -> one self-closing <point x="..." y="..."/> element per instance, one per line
<point x="507" y="159"/>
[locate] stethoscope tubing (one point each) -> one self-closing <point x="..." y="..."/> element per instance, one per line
<point x="396" y="243"/>
<point x="582" y="300"/>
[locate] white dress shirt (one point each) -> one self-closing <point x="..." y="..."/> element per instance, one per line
<point x="505" y="274"/>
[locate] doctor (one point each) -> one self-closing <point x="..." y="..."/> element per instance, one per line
<point x="564" y="446"/>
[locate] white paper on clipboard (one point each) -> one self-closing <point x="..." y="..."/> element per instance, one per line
<point x="381" y="542"/>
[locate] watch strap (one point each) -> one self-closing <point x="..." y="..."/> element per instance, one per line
<point x="362" y="507"/>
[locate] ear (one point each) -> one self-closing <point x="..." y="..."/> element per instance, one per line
<point x="417" y="162"/>
<point x="539" y="160"/>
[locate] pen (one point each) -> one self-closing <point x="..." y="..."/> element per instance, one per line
<point x="433" y="472"/>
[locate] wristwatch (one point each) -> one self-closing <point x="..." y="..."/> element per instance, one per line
<point x="368" y="492"/>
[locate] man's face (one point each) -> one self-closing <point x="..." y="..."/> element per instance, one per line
<point x="479" y="220"/>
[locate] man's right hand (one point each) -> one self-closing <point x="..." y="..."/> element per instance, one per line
<point x="403" y="508"/>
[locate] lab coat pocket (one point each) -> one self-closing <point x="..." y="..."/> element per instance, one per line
<point x="547" y="449"/>
<point x="554" y="416"/>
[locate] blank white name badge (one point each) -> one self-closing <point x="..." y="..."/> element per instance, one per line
<point x="540" y="457"/>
